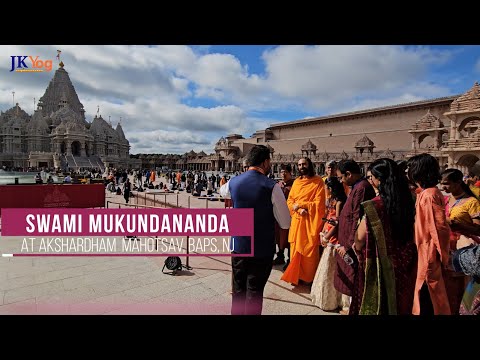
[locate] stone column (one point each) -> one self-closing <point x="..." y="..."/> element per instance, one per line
<point x="82" y="149"/>
<point x="453" y="129"/>
<point x="451" y="160"/>
<point x="437" y="140"/>
<point x="454" y="126"/>
<point x="68" y="146"/>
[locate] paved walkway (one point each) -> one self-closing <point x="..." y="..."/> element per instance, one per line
<point x="134" y="285"/>
<point x="108" y="285"/>
<point x="162" y="199"/>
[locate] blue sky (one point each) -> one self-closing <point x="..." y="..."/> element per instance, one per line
<point x="173" y="99"/>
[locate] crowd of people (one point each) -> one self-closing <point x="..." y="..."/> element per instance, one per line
<point x="197" y="183"/>
<point x="404" y="239"/>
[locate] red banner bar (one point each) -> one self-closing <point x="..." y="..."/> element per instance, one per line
<point x="52" y="196"/>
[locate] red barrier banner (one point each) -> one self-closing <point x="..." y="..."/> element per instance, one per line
<point x="52" y="196"/>
<point x="127" y="222"/>
<point x="126" y="232"/>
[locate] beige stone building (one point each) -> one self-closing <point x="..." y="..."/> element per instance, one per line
<point x="57" y="135"/>
<point x="448" y="128"/>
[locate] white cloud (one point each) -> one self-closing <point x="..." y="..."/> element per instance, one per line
<point x="223" y="77"/>
<point x="156" y="89"/>
<point x="326" y="76"/>
<point x="406" y="94"/>
<point x="161" y="141"/>
<point x="142" y="85"/>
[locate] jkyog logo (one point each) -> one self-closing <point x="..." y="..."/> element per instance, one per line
<point x="30" y="64"/>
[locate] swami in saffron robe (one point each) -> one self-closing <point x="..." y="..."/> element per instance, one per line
<point x="304" y="234"/>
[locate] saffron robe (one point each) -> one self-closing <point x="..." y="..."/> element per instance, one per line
<point x="304" y="234"/>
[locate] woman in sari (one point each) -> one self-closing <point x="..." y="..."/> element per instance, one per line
<point x="324" y="295"/>
<point x="385" y="237"/>
<point x="462" y="210"/>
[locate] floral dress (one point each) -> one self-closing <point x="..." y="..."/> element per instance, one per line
<point x="323" y="293"/>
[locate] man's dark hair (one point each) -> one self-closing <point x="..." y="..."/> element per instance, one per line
<point x="286" y="167"/>
<point x="311" y="170"/>
<point x="424" y="170"/>
<point x="348" y="165"/>
<point x="257" y="155"/>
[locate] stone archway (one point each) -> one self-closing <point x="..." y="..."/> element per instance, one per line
<point x="76" y="148"/>
<point x="467" y="160"/>
<point x="87" y="149"/>
<point x="426" y="141"/>
<point x="63" y="147"/>
<point x="468" y="126"/>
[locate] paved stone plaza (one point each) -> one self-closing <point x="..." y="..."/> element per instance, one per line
<point x="135" y="285"/>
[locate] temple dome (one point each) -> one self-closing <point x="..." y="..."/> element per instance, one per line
<point x="428" y="121"/>
<point x="470" y="101"/>
<point x="309" y="146"/>
<point x="364" y="142"/>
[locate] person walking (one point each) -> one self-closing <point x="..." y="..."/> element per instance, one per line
<point x="127" y="188"/>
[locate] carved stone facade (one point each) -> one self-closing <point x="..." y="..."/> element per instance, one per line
<point x="58" y="135"/>
<point x="463" y="146"/>
<point x="397" y="132"/>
